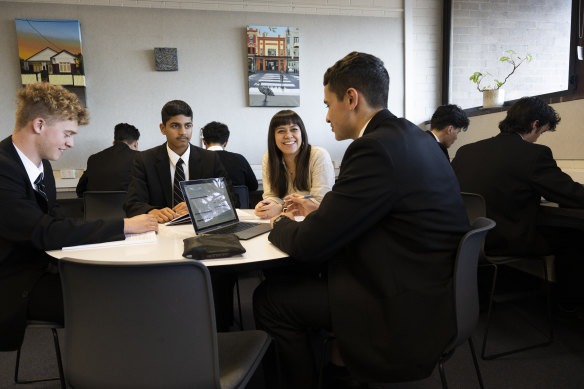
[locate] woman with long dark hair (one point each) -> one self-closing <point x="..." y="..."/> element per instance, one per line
<point x="292" y="166"/>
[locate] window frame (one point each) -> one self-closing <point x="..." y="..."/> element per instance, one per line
<point x="575" y="71"/>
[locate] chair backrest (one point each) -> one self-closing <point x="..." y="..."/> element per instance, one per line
<point x="103" y="205"/>
<point x="465" y="279"/>
<point x="243" y="194"/>
<point x="475" y="205"/>
<point x="139" y="325"/>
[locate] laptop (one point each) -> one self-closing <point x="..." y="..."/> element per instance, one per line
<point x="212" y="212"/>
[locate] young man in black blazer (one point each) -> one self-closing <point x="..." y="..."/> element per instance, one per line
<point x="513" y="173"/>
<point x="446" y="123"/>
<point x="382" y="244"/>
<point x="152" y="189"/>
<point x="110" y="169"/>
<point x="47" y="119"/>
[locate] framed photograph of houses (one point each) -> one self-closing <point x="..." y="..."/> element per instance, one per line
<point x="273" y="66"/>
<point x="50" y="50"/>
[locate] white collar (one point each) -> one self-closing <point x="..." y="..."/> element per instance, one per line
<point x="363" y="129"/>
<point x="174" y="157"/>
<point x="215" y="148"/>
<point x="32" y="170"/>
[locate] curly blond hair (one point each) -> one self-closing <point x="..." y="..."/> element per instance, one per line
<point x="51" y="102"/>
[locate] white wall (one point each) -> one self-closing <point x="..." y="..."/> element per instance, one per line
<point x="567" y="142"/>
<point x="122" y="84"/>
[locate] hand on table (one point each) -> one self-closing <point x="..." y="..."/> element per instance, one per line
<point x="267" y="209"/>
<point x="163" y="215"/>
<point x="180" y="208"/>
<point x="140" y="223"/>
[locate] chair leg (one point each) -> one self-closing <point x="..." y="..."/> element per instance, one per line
<point x="476" y="362"/>
<point x="489" y="311"/>
<point x="549" y="336"/>
<point x="59" y="363"/>
<point x="442" y="374"/>
<point x="239" y="304"/>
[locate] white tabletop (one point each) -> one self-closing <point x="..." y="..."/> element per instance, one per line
<point x="169" y="246"/>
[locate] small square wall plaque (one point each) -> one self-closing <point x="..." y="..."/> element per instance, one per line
<point x="165" y="58"/>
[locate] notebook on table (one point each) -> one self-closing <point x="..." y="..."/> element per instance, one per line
<point x="212" y="212"/>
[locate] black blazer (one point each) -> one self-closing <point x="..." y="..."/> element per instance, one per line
<point x="109" y="169"/>
<point x="30" y="226"/>
<point x="512" y="175"/>
<point x="444" y="148"/>
<point x="150" y="186"/>
<point x="238" y="169"/>
<point x="389" y="230"/>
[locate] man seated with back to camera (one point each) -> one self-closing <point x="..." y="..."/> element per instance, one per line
<point x="386" y="234"/>
<point x="110" y="169"/>
<point x="215" y="138"/>
<point x="513" y="173"/>
<point x="47" y="118"/>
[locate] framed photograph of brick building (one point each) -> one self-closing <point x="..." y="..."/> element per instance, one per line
<point x="50" y="50"/>
<point x="273" y="66"/>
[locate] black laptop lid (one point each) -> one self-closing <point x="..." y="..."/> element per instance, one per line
<point x="209" y="204"/>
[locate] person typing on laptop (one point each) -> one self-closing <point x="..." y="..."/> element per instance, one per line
<point x="154" y="188"/>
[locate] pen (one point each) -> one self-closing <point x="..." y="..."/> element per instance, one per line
<point x="303" y="197"/>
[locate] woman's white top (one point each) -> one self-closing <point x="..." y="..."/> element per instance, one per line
<point x="320" y="180"/>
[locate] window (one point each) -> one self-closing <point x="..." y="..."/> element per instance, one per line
<point x="272" y="52"/>
<point x="64" y="67"/>
<point x="477" y="34"/>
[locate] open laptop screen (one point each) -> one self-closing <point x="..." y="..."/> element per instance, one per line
<point x="209" y="204"/>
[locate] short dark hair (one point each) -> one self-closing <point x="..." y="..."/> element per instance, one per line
<point x="449" y="115"/>
<point x="124" y="132"/>
<point x="361" y="71"/>
<point x="277" y="174"/>
<point x="525" y="111"/>
<point x="174" y="108"/>
<point x="215" y="132"/>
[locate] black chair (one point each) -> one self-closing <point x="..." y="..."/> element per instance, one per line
<point x="104" y="205"/>
<point x="466" y="292"/>
<point x="466" y="298"/>
<point x="42" y="324"/>
<point x="150" y="325"/>
<point x="243" y="194"/>
<point x="537" y="265"/>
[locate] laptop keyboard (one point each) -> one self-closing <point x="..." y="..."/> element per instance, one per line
<point x="241" y="226"/>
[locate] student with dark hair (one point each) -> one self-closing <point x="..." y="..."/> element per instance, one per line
<point x="110" y="169"/>
<point x="215" y="138"/>
<point x="382" y="245"/>
<point x="47" y="118"/>
<point x="154" y="187"/>
<point x="445" y="125"/>
<point x="512" y="172"/>
<point x="291" y="166"/>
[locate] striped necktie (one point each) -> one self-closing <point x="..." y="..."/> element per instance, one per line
<point x="179" y="175"/>
<point x="40" y="186"/>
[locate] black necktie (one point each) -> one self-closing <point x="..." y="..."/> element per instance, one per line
<point x="40" y="186"/>
<point x="179" y="175"/>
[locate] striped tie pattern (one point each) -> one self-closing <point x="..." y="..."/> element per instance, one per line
<point x="179" y="175"/>
<point x="40" y="186"/>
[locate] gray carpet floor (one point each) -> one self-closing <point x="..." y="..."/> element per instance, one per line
<point x="560" y="365"/>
